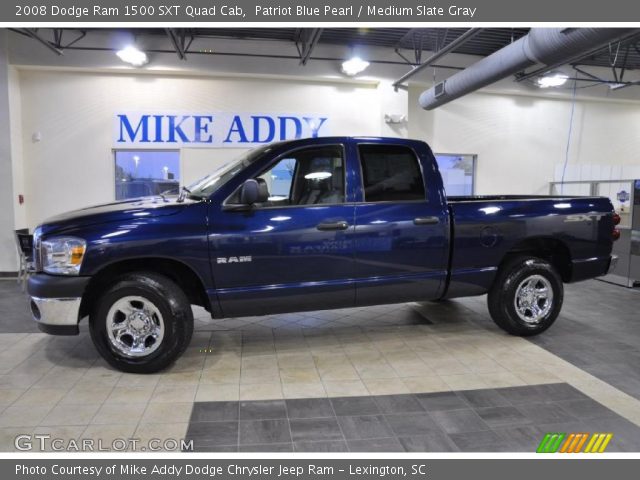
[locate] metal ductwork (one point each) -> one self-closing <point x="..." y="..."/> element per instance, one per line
<point x="547" y="46"/>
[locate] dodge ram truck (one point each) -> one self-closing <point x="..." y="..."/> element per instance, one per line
<point x="308" y="224"/>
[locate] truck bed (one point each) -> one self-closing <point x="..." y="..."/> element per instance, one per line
<point x="484" y="227"/>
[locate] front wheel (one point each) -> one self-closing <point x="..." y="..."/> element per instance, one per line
<point x="526" y="297"/>
<point x="142" y="324"/>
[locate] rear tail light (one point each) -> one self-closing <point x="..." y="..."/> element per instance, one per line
<point x="615" y="234"/>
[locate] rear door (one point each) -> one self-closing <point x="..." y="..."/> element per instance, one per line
<point x="401" y="232"/>
<point x="294" y="252"/>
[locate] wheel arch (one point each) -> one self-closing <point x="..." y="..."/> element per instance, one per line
<point x="551" y="249"/>
<point x="180" y="273"/>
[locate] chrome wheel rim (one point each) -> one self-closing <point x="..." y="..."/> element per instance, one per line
<point x="135" y="326"/>
<point x="534" y="299"/>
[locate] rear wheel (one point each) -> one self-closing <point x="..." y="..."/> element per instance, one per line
<point x="142" y="324"/>
<point x="526" y="297"/>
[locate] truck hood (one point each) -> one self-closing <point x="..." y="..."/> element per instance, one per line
<point x="138" y="209"/>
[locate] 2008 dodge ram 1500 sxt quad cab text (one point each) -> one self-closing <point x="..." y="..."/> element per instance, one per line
<point x="307" y="225"/>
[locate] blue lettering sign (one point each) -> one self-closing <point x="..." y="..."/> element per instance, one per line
<point x="297" y="125"/>
<point x="314" y="125"/>
<point x="177" y="128"/>
<point x="236" y="127"/>
<point x="200" y="127"/>
<point x="146" y="129"/>
<point x="142" y="124"/>
<point x="271" y="129"/>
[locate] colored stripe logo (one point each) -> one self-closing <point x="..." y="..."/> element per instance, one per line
<point x="574" y="443"/>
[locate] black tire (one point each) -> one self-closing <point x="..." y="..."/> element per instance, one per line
<point x="502" y="296"/>
<point x="176" y="316"/>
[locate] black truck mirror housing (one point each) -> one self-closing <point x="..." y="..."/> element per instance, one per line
<point x="249" y="192"/>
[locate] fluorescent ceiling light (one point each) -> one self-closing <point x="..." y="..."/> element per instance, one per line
<point x="354" y="66"/>
<point x="317" y="175"/>
<point x="552" y="80"/>
<point x="133" y="56"/>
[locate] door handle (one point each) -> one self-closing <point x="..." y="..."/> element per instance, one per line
<point x="426" y="221"/>
<point x="326" y="226"/>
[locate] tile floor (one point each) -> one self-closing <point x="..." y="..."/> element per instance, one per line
<point x="59" y="385"/>
<point x="502" y="419"/>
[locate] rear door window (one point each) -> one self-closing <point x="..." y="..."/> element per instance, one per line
<point x="391" y="173"/>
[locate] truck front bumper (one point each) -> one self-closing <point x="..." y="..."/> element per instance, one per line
<point x="55" y="302"/>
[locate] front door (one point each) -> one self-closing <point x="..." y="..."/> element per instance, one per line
<point x="294" y="252"/>
<point x="401" y="229"/>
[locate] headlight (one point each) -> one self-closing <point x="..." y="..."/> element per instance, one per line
<point x="62" y="255"/>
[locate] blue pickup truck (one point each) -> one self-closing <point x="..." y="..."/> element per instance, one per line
<point x="308" y="224"/>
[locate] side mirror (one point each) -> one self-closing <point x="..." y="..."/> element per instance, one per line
<point x="249" y="192"/>
<point x="253" y="191"/>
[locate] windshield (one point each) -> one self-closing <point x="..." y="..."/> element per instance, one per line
<point x="204" y="187"/>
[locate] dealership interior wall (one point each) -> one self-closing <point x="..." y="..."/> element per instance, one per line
<point x="519" y="132"/>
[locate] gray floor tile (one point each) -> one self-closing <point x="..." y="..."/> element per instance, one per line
<point x="481" y="441"/>
<point x="436" y="441"/>
<point x="206" y="434"/>
<point x="586" y="409"/>
<point x="262" y="410"/>
<point x="214" y="411"/>
<point x="268" y="447"/>
<point x="502" y="416"/>
<point x="321" y="447"/>
<point x="560" y="391"/>
<point x="256" y="432"/>
<point x="542" y="413"/>
<point x="408" y="424"/>
<point x="398" y="404"/>
<point x="433" y="402"/>
<point x="365" y="426"/>
<point x="354" y="406"/>
<point x="309" y="408"/>
<point x="484" y="398"/>
<point x="315" y="429"/>
<point x="215" y="449"/>
<point x="375" y="445"/>
<point x="523" y="438"/>
<point x="524" y="395"/>
<point x="459" y="421"/>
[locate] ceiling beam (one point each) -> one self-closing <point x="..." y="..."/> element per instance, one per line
<point x="458" y="42"/>
<point x="307" y="41"/>
<point x="178" y="43"/>
<point x="34" y="34"/>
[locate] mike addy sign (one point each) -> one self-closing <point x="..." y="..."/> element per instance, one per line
<point x="154" y="130"/>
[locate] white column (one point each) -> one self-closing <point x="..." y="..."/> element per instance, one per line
<point x="8" y="257"/>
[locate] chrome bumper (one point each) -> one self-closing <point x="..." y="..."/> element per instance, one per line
<point x="612" y="263"/>
<point x="57" y="313"/>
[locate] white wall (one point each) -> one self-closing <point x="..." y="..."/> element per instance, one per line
<point x="521" y="139"/>
<point x="519" y="134"/>
<point x="72" y="166"/>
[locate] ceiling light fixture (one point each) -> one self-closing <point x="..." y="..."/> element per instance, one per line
<point x="133" y="56"/>
<point x="552" y="80"/>
<point x="354" y="66"/>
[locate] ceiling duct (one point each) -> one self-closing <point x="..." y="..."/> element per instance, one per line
<point x="546" y="46"/>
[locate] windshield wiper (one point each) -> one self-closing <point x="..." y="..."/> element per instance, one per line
<point x="185" y="192"/>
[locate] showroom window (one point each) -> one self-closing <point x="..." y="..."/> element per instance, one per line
<point x="391" y="173"/>
<point x="141" y="173"/>
<point x="458" y="173"/>
<point x="308" y="176"/>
